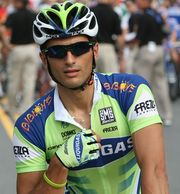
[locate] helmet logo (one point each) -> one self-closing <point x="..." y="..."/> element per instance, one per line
<point x="65" y="34"/>
<point x="77" y="32"/>
<point x="53" y="36"/>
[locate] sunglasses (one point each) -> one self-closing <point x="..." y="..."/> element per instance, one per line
<point x="77" y="49"/>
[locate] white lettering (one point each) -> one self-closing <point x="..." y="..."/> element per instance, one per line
<point x="120" y="147"/>
<point x="107" y="150"/>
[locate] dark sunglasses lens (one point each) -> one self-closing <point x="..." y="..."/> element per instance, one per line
<point x="56" y="52"/>
<point x="60" y="51"/>
<point x="80" y="48"/>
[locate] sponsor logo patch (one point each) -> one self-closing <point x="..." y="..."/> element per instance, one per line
<point x="144" y="107"/>
<point x="66" y="134"/>
<point x="54" y="147"/>
<point x="124" y="86"/>
<point x="78" y="147"/>
<point x="106" y="115"/>
<point x="21" y="151"/>
<point x="38" y="109"/>
<point x="110" y="129"/>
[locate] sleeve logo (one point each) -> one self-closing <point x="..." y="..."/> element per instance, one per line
<point x="21" y="151"/>
<point x="144" y="107"/>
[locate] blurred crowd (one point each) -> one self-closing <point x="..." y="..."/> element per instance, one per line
<point x="129" y="40"/>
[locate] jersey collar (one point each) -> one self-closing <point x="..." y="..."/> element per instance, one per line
<point x="61" y="114"/>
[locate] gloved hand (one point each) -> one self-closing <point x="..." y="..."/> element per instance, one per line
<point x="79" y="149"/>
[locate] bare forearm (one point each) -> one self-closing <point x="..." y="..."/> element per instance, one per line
<point x="56" y="173"/>
<point x="45" y="189"/>
<point x="3" y="36"/>
<point x="154" y="182"/>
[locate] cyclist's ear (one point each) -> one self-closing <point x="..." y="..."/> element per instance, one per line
<point x="96" y="49"/>
<point x="43" y="59"/>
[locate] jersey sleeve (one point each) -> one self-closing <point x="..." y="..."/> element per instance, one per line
<point x="28" y="157"/>
<point x="143" y="111"/>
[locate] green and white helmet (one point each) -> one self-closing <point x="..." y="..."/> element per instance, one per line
<point x="63" y="20"/>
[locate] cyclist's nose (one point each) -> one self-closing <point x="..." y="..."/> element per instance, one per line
<point x="70" y="58"/>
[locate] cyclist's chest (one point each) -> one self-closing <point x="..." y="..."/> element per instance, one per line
<point x="107" y="121"/>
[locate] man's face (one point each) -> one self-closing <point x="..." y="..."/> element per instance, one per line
<point x="70" y="70"/>
<point x="139" y="3"/>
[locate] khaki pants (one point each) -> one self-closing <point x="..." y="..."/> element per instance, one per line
<point x="22" y="73"/>
<point x="107" y="61"/>
<point x="150" y="64"/>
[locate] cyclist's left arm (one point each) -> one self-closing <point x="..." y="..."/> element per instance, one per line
<point x="149" y="149"/>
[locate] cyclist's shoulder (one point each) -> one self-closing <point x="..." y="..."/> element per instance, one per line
<point x="31" y="124"/>
<point x="39" y="110"/>
<point x="121" y="78"/>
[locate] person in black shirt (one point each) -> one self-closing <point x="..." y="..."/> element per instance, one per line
<point x="22" y="58"/>
<point x="108" y="36"/>
<point x="149" y="60"/>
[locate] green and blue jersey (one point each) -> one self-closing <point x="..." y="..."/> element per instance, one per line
<point x="122" y="105"/>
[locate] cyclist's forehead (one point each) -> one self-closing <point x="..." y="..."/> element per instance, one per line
<point x="66" y="41"/>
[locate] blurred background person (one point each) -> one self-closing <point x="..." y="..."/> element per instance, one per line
<point x="130" y="30"/>
<point x="109" y="37"/>
<point x="3" y="15"/>
<point x="149" y="59"/>
<point x="22" y="57"/>
<point x="173" y="17"/>
<point x="45" y="3"/>
<point x="170" y="10"/>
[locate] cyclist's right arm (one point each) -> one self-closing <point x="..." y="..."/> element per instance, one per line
<point x="75" y="151"/>
<point x="33" y="182"/>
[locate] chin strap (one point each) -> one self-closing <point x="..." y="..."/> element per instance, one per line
<point x="86" y="83"/>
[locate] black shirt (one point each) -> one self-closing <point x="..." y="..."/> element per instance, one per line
<point x="108" y="21"/>
<point x="20" y="22"/>
<point x="149" y="27"/>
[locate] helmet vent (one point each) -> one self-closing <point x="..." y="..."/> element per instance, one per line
<point x="55" y="6"/>
<point x="71" y="16"/>
<point x="42" y="18"/>
<point x="68" y="4"/>
<point x="93" y="23"/>
<point x="50" y="31"/>
<point x="88" y="15"/>
<point x="83" y="12"/>
<point x="79" y="27"/>
<point x="55" y="19"/>
<point x="37" y="32"/>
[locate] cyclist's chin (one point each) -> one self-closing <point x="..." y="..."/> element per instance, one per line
<point x="74" y="79"/>
<point x="72" y="83"/>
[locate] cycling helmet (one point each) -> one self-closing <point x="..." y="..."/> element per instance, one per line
<point x="63" y="20"/>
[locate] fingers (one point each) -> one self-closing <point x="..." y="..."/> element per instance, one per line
<point x="91" y="133"/>
<point x="94" y="155"/>
<point x="94" y="147"/>
<point x="93" y="142"/>
<point x="98" y="138"/>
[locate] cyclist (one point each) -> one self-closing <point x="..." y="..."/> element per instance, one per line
<point x="94" y="133"/>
